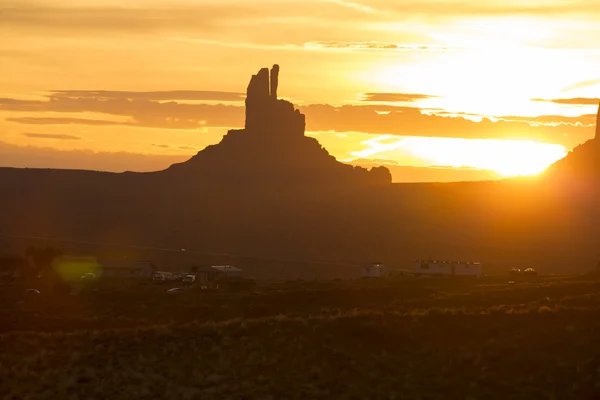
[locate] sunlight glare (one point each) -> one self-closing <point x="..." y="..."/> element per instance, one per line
<point x="506" y="157"/>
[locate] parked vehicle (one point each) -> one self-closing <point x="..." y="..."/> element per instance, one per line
<point x="158" y="278"/>
<point x="530" y="272"/>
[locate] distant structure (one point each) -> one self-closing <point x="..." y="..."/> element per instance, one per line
<point x="126" y="269"/>
<point x="451" y="268"/>
<point x="374" y="270"/>
<point x="211" y="273"/>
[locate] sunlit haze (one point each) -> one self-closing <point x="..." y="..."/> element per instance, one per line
<point x="500" y="86"/>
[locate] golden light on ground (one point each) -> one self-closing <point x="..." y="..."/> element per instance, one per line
<point x="506" y="157"/>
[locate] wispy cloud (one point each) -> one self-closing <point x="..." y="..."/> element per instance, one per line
<point x="395" y="97"/>
<point x="63" y="121"/>
<point x="353" y="5"/>
<point x="375" y="46"/>
<point x="171" y="95"/>
<point x="52" y="136"/>
<point x="582" y="84"/>
<point x="584" y="101"/>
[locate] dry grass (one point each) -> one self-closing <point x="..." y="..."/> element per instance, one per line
<point x="428" y="339"/>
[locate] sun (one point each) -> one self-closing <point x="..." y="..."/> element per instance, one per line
<point x="508" y="158"/>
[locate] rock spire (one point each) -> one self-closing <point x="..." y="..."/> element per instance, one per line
<point x="265" y="113"/>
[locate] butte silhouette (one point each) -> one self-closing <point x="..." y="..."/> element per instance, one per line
<point x="272" y="149"/>
<point x="582" y="165"/>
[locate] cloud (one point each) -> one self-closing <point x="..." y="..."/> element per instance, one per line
<point x="45" y="157"/>
<point x="367" y="118"/>
<point x="580" y="120"/>
<point x="410" y="121"/>
<point x="576" y="101"/>
<point x="62" y="121"/>
<point x="483" y="8"/>
<point x="353" y="5"/>
<point x="395" y="97"/>
<point x="380" y="161"/>
<point x="52" y="136"/>
<point x="374" y="46"/>
<point x="164" y="146"/>
<point x="182" y="95"/>
<point x="198" y="18"/>
<point x="140" y="112"/>
<point x="582" y="84"/>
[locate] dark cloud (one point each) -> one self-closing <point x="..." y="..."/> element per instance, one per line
<point x="164" y="146"/>
<point x="395" y="97"/>
<point x="142" y="112"/>
<point x="367" y="118"/>
<point x="182" y="95"/>
<point x="575" y="101"/>
<point x="187" y="148"/>
<point x="408" y="121"/>
<point x="52" y="136"/>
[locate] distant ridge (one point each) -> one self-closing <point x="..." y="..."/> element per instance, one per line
<point x="272" y="148"/>
<point x="582" y="163"/>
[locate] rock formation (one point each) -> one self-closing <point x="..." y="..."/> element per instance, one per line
<point x="267" y="115"/>
<point x="582" y="165"/>
<point x="272" y="148"/>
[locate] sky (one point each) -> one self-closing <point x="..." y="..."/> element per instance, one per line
<point x="435" y="90"/>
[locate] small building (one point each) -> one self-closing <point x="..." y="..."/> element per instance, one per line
<point x="373" y="270"/>
<point x="451" y="268"/>
<point x="211" y="273"/>
<point x="126" y="269"/>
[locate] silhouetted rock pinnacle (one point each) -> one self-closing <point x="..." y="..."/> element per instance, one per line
<point x="267" y="115"/>
<point x="272" y="148"/>
<point x="274" y="81"/>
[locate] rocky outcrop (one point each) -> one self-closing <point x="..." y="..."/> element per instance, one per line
<point x="272" y="148"/>
<point x="581" y="167"/>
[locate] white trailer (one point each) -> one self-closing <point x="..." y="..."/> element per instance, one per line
<point x="451" y="268"/>
<point x="374" y="270"/>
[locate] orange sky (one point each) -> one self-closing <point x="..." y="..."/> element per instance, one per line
<point x="506" y="86"/>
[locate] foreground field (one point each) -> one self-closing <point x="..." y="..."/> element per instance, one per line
<point x="379" y="339"/>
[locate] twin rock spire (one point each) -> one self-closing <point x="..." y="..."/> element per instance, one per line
<point x="266" y="115"/>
